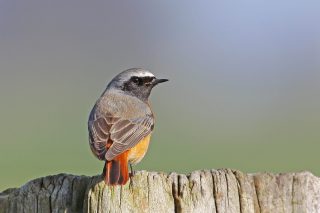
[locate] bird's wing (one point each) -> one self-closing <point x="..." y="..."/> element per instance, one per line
<point x="123" y="134"/>
<point x="126" y="133"/>
<point x="99" y="136"/>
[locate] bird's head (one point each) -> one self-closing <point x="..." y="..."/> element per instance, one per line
<point x="136" y="82"/>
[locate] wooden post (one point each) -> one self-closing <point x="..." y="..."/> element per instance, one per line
<point x="219" y="191"/>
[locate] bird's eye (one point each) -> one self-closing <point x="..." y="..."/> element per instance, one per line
<point x="136" y="80"/>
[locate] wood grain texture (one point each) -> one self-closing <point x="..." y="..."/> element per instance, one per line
<point x="217" y="191"/>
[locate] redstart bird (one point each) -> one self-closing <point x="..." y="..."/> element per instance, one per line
<point x="121" y="122"/>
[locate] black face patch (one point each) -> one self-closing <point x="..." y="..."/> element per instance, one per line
<point x="140" y="81"/>
<point x="139" y="86"/>
<point x="137" y="80"/>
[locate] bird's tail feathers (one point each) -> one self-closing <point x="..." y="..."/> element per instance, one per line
<point x="116" y="171"/>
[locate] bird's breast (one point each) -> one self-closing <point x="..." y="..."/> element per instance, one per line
<point x="137" y="152"/>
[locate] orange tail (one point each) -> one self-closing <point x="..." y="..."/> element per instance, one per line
<point x="116" y="171"/>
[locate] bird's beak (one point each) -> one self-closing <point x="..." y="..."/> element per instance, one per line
<point x="158" y="81"/>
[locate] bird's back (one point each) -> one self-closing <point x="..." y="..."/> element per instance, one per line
<point x="120" y="105"/>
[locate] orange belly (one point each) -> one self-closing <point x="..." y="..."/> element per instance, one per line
<point x="136" y="153"/>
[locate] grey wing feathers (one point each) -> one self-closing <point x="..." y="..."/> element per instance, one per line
<point x="124" y="133"/>
<point x="98" y="137"/>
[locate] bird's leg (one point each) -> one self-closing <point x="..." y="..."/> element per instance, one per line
<point x="132" y="172"/>
<point x="130" y="176"/>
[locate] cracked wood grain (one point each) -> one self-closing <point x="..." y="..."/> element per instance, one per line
<point x="217" y="191"/>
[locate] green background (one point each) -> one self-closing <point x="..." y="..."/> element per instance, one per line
<point x="244" y="89"/>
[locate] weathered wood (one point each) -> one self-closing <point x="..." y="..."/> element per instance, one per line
<point x="219" y="191"/>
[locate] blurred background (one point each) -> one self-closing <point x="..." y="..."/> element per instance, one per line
<point x="244" y="89"/>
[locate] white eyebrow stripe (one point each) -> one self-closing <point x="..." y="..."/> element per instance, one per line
<point x="143" y="74"/>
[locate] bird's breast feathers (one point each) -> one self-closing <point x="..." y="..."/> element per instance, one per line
<point x="137" y="152"/>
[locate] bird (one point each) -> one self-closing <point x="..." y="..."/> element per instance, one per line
<point x="121" y="122"/>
